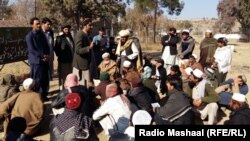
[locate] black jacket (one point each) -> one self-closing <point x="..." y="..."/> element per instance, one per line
<point x="239" y="117"/>
<point x="121" y="137"/>
<point x="175" y="107"/>
<point x="163" y="78"/>
<point x="187" y="47"/>
<point x="87" y="107"/>
<point x="141" y="97"/>
<point x="63" y="49"/>
<point x="171" y="41"/>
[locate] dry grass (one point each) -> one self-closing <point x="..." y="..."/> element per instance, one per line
<point x="151" y="47"/>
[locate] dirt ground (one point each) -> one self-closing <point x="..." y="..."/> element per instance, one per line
<point x="240" y="65"/>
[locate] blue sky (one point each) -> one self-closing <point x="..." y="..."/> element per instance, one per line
<point x="194" y="9"/>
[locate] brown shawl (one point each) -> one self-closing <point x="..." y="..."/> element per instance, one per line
<point x="139" y="59"/>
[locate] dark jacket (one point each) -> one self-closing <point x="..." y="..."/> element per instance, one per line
<point x="163" y="78"/>
<point x="171" y="41"/>
<point x="121" y="137"/>
<point x="150" y="84"/>
<point x="82" y="54"/>
<point x="187" y="47"/>
<point x="13" y="136"/>
<point x="86" y="109"/>
<point x="141" y="97"/>
<point x="51" y="34"/>
<point x="63" y="49"/>
<point x="177" y="105"/>
<point x="207" y="50"/>
<point x="37" y="46"/>
<point x="239" y="117"/>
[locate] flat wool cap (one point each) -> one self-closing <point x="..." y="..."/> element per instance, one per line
<point x="73" y="101"/>
<point x="197" y="73"/>
<point x="28" y="83"/>
<point x="239" y="97"/>
<point x="141" y="117"/>
<point x="188" y="70"/>
<point x="126" y="64"/>
<point x="104" y="55"/>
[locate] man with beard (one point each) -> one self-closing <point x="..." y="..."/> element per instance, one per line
<point x="108" y="65"/>
<point x="82" y="53"/>
<point x="169" y="50"/>
<point x="128" y="71"/>
<point x="240" y="114"/>
<point x="64" y="49"/>
<point x="126" y="49"/>
<point x="204" y="97"/>
<point x="207" y="49"/>
<point x="187" y="45"/>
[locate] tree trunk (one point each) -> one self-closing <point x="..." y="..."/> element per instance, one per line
<point x="146" y="27"/>
<point x="155" y="19"/>
<point x="140" y="34"/>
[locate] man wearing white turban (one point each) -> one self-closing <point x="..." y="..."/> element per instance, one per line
<point x="240" y="114"/>
<point x="126" y="49"/>
<point x="108" y="65"/>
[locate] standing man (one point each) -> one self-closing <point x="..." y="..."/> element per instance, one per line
<point x="222" y="59"/>
<point x="169" y="50"/>
<point x="38" y="57"/>
<point x="207" y="49"/>
<point x="187" y="45"/>
<point x="64" y="49"/>
<point x="126" y="49"/>
<point x="82" y="54"/>
<point x="46" y="27"/>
